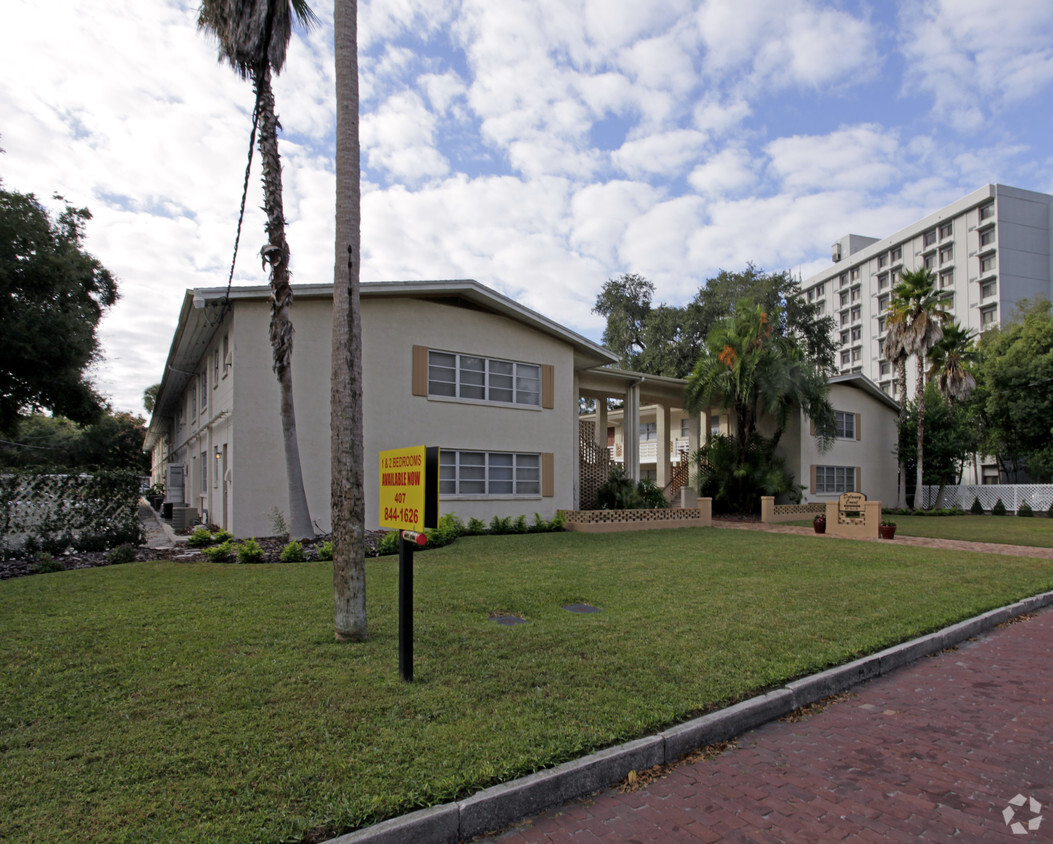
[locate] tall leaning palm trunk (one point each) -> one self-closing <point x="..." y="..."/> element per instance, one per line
<point x="348" y="486"/>
<point x="253" y="37"/>
<point x="276" y="253"/>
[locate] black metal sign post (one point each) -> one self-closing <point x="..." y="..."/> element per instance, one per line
<point x="407" y="540"/>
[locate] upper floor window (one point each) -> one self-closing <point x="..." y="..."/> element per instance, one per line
<point x="930" y="237"/>
<point x="946" y="254"/>
<point x="987" y="264"/>
<point x="987" y="211"/>
<point x="648" y="431"/>
<point x="882" y="260"/>
<point x="988" y="316"/>
<point x="930" y="261"/>
<point x="896" y="254"/>
<point x="947" y="278"/>
<point x="215" y="369"/>
<point x="945" y="231"/>
<point x="483" y="379"/>
<point x="987" y="237"/>
<point x="226" y="355"/>
<point x="685" y="427"/>
<point x="204" y="389"/>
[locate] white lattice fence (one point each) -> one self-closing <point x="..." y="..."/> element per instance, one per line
<point x="594" y="465"/>
<point x="1038" y="496"/>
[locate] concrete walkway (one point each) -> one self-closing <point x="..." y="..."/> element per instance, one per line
<point x="958" y="746"/>
<point x="158" y="533"/>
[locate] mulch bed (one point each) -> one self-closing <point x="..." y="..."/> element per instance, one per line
<point x="272" y="548"/>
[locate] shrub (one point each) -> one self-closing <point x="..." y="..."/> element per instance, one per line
<point x="651" y="496"/>
<point x="977" y="509"/>
<point x="121" y="554"/>
<point x="200" y="538"/>
<point x="250" y="551"/>
<point x="46" y="564"/>
<point x="279" y="524"/>
<point x="520" y="525"/>
<point x="222" y="536"/>
<point x="475" y="527"/>
<point x="56" y="544"/>
<point x="1049" y="511"/>
<point x="618" y="493"/>
<point x="325" y="550"/>
<point x="499" y="525"/>
<point x="293" y="553"/>
<point x="1025" y="510"/>
<point x="450" y="527"/>
<point x="222" y="553"/>
<point x="998" y="509"/>
<point x="389" y="543"/>
<point x="90" y="542"/>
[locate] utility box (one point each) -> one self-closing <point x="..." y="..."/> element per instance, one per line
<point x="183" y="517"/>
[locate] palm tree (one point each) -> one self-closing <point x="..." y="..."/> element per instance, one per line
<point x="915" y="311"/>
<point x="347" y="491"/>
<point x="253" y="37"/>
<point x="950" y="361"/>
<point x="892" y="350"/>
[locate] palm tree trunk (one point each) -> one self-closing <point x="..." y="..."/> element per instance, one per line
<point x="901" y="374"/>
<point x="348" y="487"/>
<point x="276" y="253"/>
<point x="919" y="494"/>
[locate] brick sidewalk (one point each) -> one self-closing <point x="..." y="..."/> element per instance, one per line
<point x="933" y="751"/>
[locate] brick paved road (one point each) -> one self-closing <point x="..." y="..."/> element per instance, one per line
<point x="934" y="751"/>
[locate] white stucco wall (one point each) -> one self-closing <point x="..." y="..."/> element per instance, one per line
<point x="394" y="417"/>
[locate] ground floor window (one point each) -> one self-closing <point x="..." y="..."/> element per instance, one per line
<point x="835" y="479"/>
<point x="489" y="473"/>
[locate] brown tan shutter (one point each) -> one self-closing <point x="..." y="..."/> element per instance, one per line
<point x="813" y="479"/>
<point x="859" y="426"/>
<point x="548" y="467"/>
<point x="420" y="370"/>
<point x="548" y="386"/>
<point x="811" y="426"/>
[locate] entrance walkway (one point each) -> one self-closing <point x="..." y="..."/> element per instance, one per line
<point x="959" y="746"/>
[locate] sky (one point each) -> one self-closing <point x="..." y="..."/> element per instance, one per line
<point x="539" y="147"/>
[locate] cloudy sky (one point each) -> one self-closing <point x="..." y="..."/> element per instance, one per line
<point x="538" y="146"/>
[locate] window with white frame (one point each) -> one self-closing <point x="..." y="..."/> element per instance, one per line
<point x="930" y="261"/>
<point x="489" y="473"/>
<point x="844" y="298"/>
<point x="835" y="479"/>
<point x="896" y="254"/>
<point x="947" y="278"/>
<point x="882" y="281"/>
<point x="204" y="471"/>
<point x="685" y="426"/>
<point x="483" y="379"/>
<point x="988" y="289"/>
<point x="857" y="354"/>
<point x="857" y="333"/>
<point x="988" y="316"/>
<point x="845" y="424"/>
<point x="204" y="389"/>
<point x="987" y="211"/>
<point x="857" y="313"/>
<point x="930" y="237"/>
<point x="648" y="431"/>
<point x="844" y="337"/>
<point x="226" y="355"/>
<point x="987" y="264"/>
<point x="945" y="231"/>
<point x="946" y="254"/>
<point x="987" y="237"/>
<point x="882" y="260"/>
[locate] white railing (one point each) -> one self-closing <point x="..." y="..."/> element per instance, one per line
<point x="1038" y="496"/>
<point x="649" y="451"/>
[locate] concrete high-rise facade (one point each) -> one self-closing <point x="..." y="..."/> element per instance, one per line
<point x="988" y="250"/>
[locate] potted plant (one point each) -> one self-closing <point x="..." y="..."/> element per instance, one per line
<point x="887" y="529"/>
<point x="819" y="523"/>
<point x="156" y="496"/>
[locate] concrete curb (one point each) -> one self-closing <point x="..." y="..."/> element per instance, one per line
<point x="501" y="805"/>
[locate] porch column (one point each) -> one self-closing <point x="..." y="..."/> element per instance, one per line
<point x="694" y="431"/>
<point x="631" y="446"/>
<point x="601" y="423"/>
<point x="663" y="467"/>
<point x="575" y="463"/>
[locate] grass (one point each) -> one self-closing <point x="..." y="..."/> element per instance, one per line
<point x="1006" y="530"/>
<point x="198" y="702"/>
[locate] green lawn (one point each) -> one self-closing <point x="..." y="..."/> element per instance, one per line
<point x="1007" y="530"/>
<point x="1010" y="530"/>
<point x="159" y="701"/>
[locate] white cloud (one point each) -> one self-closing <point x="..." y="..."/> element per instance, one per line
<point x="860" y="157"/>
<point x="399" y="137"/>
<point x="664" y="153"/>
<point x="729" y="171"/>
<point x="781" y="44"/>
<point x="973" y="59"/>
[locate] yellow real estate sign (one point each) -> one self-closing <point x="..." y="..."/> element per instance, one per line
<point x="409" y="488"/>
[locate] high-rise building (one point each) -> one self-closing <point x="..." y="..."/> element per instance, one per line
<point x="988" y="250"/>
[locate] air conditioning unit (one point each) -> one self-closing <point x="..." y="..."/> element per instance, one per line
<point x="836" y="253"/>
<point x="183" y="517"/>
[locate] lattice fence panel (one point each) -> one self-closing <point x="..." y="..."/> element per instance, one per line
<point x="594" y="466"/>
<point x="1039" y="496"/>
<point x="69" y="506"/>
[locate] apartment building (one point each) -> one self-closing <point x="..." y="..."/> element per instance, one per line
<point x="988" y="250"/>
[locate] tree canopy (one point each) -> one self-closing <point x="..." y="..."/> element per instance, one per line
<point x="667" y="340"/>
<point x="52" y="295"/>
<point x="54" y="443"/>
<point x="1014" y="391"/>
